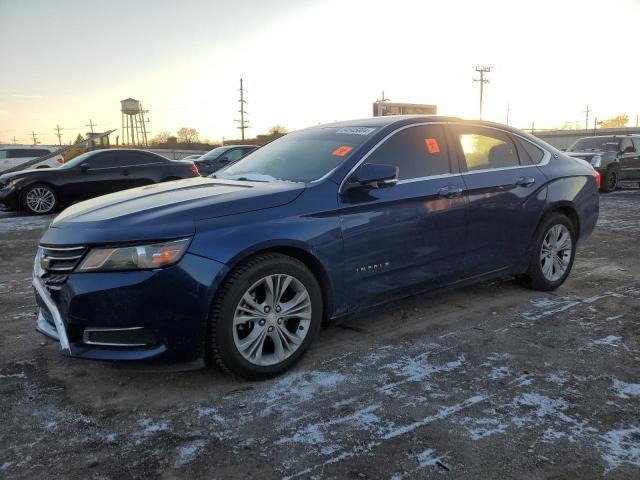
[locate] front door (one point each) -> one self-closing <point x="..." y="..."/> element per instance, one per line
<point x="630" y="159"/>
<point x="412" y="234"/>
<point x="505" y="193"/>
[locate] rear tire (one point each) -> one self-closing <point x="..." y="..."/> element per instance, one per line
<point x="610" y="180"/>
<point x="265" y="316"/>
<point x="39" y="199"/>
<point x="553" y="252"/>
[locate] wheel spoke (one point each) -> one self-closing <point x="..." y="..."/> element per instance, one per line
<point x="296" y="304"/>
<point x="282" y="287"/>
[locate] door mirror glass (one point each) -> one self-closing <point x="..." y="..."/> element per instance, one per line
<point x="373" y="175"/>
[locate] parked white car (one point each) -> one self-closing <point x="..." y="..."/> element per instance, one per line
<point x="13" y="156"/>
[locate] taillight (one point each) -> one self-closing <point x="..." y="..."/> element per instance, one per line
<point x="194" y="170"/>
<point x="596" y="174"/>
<point x="61" y="160"/>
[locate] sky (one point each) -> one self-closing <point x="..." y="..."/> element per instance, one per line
<point x="306" y="62"/>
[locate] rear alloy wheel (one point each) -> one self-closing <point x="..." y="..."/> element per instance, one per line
<point x="265" y="317"/>
<point x="553" y="253"/>
<point x="609" y="180"/>
<point x="39" y="199"/>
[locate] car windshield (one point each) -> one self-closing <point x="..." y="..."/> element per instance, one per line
<point x="302" y="156"/>
<point x="213" y="154"/>
<point x="74" y="162"/>
<point x="609" y="144"/>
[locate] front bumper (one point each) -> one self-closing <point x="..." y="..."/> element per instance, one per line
<point x="170" y="306"/>
<point x="9" y="197"/>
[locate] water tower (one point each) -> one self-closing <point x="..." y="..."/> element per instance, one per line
<point x="134" y="128"/>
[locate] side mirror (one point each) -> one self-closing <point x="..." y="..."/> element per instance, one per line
<point x="84" y="168"/>
<point x="373" y="175"/>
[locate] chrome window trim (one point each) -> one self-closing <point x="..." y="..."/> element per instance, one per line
<point x="126" y="166"/>
<point x="545" y="159"/>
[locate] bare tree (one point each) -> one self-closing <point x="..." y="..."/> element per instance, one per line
<point x="618" y="121"/>
<point x="161" y="137"/>
<point x="188" y="135"/>
<point x="278" y="129"/>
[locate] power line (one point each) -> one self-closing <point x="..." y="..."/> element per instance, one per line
<point x="482" y="71"/>
<point x="244" y="124"/>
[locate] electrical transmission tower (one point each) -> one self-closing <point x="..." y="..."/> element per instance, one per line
<point x="244" y="124"/>
<point x="482" y="71"/>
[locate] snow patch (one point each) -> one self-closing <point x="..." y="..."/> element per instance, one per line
<point x="611" y="340"/>
<point x="624" y="390"/>
<point x="621" y="447"/>
<point x="188" y="452"/>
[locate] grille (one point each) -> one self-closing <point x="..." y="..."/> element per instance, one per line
<point x="58" y="262"/>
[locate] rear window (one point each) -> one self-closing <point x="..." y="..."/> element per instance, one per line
<point x="301" y="156"/>
<point x="596" y="144"/>
<point x="528" y="152"/>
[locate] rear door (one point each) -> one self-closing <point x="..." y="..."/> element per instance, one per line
<point x="143" y="168"/>
<point x="505" y="192"/>
<point x="410" y="234"/>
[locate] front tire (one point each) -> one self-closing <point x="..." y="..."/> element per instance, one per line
<point x="39" y="199"/>
<point x="554" y="249"/>
<point x="610" y="180"/>
<point x="265" y="316"/>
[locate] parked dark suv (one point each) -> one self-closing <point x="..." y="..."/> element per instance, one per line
<point x="616" y="157"/>
<point x="219" y="157"/>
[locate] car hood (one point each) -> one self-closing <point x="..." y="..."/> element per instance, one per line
<point x="33" y="172"/>
<point x="164" y="210"/>
<point x="590" y="154"/>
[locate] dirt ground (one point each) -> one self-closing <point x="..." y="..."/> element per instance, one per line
<point x="491" y="381"/>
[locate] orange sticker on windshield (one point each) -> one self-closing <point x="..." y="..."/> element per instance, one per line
<point x="432" y="145"/>
<point x="341" y="151"/>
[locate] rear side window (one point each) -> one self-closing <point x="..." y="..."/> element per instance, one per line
<point x="419" y="151"/>
<point x="485" y="149"/>
<point x="529" y="153"/>
<point x="626" y="143"/>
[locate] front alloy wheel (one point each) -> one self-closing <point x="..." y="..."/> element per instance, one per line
<point x="39" y="200"/>
<point x="272" y="319"/>
<point x="265" y="315"/>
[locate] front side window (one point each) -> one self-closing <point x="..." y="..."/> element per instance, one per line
<point x="235" y="154"/>
<point x="485" y="149"/>
<point x="419" y="151"/>
<point x="3" y="154"/>
<point x="302" y="156"/>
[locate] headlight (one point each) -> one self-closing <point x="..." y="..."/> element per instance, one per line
<point x="596" y="161"/>
<point x="135" y="257"/>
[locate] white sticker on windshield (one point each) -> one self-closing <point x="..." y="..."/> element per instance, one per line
<point x="356" y="130"/>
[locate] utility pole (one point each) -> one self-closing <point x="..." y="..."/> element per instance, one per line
<point x="34" y="135"/>
<point x="482" y="71"/>
<point x="14" y="140"/>
<point x="244" y="124"/>
<point x="58" y="134"/>
<point x="508" y="111"/>
<point x="91" y="124"/>
<point x="533" y="125"/>
<point x="586" y="120"/>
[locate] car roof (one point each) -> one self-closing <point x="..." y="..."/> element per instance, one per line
<point x="27" y="147"/>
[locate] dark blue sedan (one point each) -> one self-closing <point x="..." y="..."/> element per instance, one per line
<point x="243" y="268"/>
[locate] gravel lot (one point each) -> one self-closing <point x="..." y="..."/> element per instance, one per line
<point x="491" y="381"/>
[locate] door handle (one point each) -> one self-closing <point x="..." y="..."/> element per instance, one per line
<point x="525" y="181"/>
<point x="449" y="192"/>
